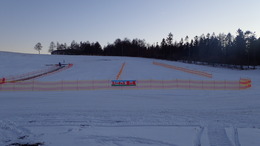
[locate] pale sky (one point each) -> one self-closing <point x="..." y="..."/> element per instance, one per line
<point x="27" y="22"/>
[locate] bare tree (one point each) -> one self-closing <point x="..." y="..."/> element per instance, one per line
<point x="38" y="47"/>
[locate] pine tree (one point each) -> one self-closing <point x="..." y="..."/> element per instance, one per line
<point x="169" y="39"/>
<point x="52" y="47"/>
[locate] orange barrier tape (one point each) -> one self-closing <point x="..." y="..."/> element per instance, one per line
<point x="141" y="84"/>
<point x="120" y="72"/>
<point x="200" y="73"/>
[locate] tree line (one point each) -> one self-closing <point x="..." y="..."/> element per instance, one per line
<point x="240" y="51"/>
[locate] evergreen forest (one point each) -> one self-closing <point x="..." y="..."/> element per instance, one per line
<point x="241" y="51"/>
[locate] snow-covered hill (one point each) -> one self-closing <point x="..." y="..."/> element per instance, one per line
<point x="127" y="117"/>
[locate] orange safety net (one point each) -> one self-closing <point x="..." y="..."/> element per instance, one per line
<point x="200" y="73"/>
<point x="140" y="84"/>
<point x="120" y="72"/>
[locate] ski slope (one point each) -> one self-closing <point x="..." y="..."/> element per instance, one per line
<point x="170" y="117"/>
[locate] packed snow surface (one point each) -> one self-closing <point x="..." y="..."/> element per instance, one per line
<point x="169" y="117"/>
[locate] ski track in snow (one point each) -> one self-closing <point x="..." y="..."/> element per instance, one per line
<point x="105" y="140"/>
<point x="115" y="119"/>
<point x="217" y="136"/>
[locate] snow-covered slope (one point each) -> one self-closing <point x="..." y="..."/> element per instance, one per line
<point x="127" y="117"/>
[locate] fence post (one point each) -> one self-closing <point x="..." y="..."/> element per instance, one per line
<point x="14" y="86"/>
<point x="239" y="83"/>
<point x="162" y="84"/>
<point x="77" y="85"/>
<point x="92" y="84"/>
<point x="33" y="85"/>
<point x="189" y="83"/>
<point x="225" y="85"/>
<point x="62" y="86"/>
<point x="214" y="85"/>
<point x="109" y="84"/>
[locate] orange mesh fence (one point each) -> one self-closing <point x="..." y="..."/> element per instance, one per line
<point x="200" y="73"/>
<point x="245" y="83"/>
<point x="120" y="72"/>
<point x="140" y="84"/>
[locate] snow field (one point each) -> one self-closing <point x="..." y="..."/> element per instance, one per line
<point x="175" y="117"/>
